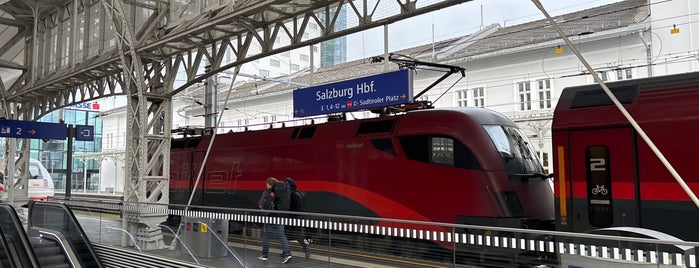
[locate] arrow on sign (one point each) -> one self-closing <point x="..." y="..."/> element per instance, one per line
<point x="31" y="131"/>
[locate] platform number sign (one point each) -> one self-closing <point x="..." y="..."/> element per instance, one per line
<point x="32" y="130"/>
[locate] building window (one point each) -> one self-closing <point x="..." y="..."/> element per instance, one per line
<point x="544" y="87"/>
<point x="603" y="75"/>
<point x="628" y="74"/>
<point x="525" y="96"/>
<point x="264" y="73"/>
<point x="304" y="57"/>
<point x="274" y="63"/>
<point x="315" y="48"/>
<point x="619" y="75"/>
<point x="478" y="97"/>
<point x="286" y="53"/>
<point x="462" y="98"/>
<point x="294" y="67"/>
<point x="306" y="36"/>
<point x="313" y="26"/>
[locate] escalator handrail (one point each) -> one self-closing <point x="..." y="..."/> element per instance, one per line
<point x="63" y="242"/>
<point x="72" y="221"/>
<point x="7" y="252"/>
<point x="24" y="239"/>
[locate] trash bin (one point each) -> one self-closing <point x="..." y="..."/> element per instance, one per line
<point x="198" y="236"/>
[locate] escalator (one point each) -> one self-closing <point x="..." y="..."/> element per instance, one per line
<point x="58" y="239"/>
<point x="53" y="239"/>
<point x="16" y="249"/>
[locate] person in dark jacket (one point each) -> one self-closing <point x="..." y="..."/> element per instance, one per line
<point x="275" y="190"/>
<point x="298" y="204"/>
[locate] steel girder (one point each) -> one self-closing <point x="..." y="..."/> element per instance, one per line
<point x="147" y="138"/>
<point x="230" y="28"/>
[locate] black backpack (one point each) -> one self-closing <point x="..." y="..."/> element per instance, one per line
<point x="282" y="195"/>
<point x="298" y="201"/>
<point x="298" y="197"/>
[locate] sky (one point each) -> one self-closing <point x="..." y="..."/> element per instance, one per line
<point x="459" y="20"/>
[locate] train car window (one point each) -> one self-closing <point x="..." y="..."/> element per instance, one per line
<point x="384" y="145"/>
<point x="516" y="152"/>
<point x="438" y="150"/>
<point x="463" y="157"/>
<point x="597" y="97"/>
<point x="416" y="147"/>
<point x="442" y="151"/>
<point x="307" y="133"/>
<point x="293" y="134"/>
<point x="375" y="127"/>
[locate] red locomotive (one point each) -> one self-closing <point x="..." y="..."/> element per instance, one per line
<point x="466" y="165"/>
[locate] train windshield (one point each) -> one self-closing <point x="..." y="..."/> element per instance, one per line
<point x="515" y="150"/>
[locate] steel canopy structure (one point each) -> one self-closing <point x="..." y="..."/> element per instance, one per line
<point x="72" y="51"/>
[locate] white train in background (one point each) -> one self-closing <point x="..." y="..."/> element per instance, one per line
<point x="40" y="183"/>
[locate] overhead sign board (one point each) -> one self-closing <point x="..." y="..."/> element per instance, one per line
<point x="32" y="130"/>
<point x="357" y="94"/>
<point x="84" y="133"/>
<point x="86" y="106"/>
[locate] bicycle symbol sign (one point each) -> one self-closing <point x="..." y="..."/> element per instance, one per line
<point x="599" y="189"/>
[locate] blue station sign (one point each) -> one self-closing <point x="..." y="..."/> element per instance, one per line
<point x="32" y="130"/>
<point x="357" y="94"/>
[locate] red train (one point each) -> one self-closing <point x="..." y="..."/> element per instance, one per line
<point x="607" y="176"/>
<point x="466" y="165"/>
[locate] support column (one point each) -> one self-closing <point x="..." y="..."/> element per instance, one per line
<point x="147" y="163"/>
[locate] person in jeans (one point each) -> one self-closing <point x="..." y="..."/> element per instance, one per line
<point x="275" y="197"/>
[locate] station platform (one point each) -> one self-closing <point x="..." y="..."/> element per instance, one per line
<point x="96" y="229"/>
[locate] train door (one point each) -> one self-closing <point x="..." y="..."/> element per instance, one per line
<point x="603" y="174"/>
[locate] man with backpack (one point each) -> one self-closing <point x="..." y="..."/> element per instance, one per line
<point x="280" y="193"/>
<point x="297" y="204"/>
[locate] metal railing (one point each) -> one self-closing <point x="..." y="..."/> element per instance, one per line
<point x="340" y="240"/>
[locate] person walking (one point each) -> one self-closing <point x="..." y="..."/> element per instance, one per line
<point x="275" y="197"/>
<point x="297" y="203"/>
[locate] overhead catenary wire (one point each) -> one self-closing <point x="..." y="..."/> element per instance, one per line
<point x="621" y="108"/>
